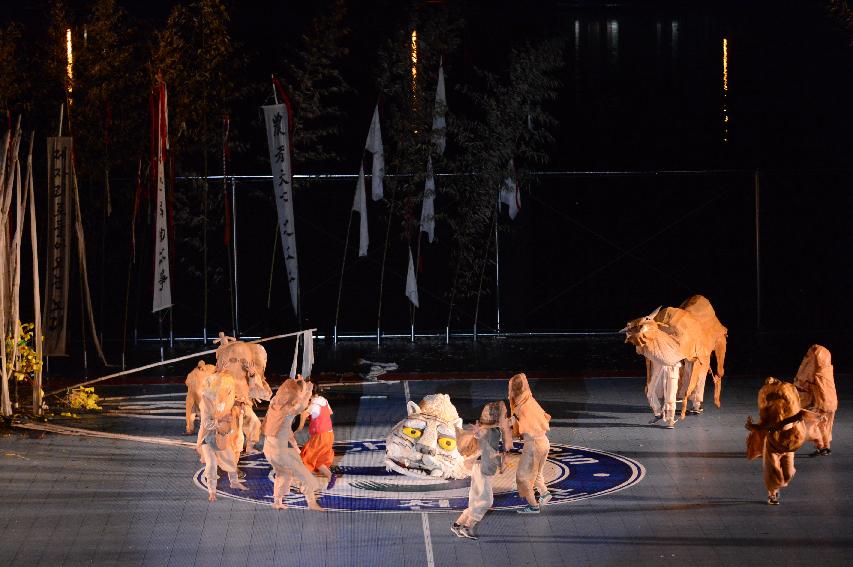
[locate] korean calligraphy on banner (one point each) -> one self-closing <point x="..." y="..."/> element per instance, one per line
<point x="59" y="247"/>
<point x="162" y="279"/>
<point x="275" y="117"/>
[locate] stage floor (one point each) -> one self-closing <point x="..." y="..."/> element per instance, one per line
<point x="71" y="500"/>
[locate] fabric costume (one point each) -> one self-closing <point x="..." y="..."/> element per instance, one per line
<point x="783" y="429"/>
<point x="219" y="437"/>
<point x="531" y="424"/>
<point x="487" y="461"/>
<point x="318" y="451"/>
<point x="815" y="383"/>
<point x="246" y="362"/>
<point x="280" y="446"/>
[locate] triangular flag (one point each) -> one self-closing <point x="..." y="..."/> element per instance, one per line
<point x="359" y="205"/>
<point x="412" y="282"/>
<point x="374" y="146"/>
<point x="439" y="124"/>
<point x="510" y="194"/>
<point x="428" y="208"/>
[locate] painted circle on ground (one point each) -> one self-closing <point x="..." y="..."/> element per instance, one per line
<point x="362" y="483"/>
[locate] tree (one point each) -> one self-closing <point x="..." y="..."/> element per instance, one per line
<point x="317" y="87"/>
<point x="14" y="82"/>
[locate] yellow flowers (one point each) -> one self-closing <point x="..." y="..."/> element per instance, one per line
<point x="28" y="362"/>
<point x="83" y="398"/>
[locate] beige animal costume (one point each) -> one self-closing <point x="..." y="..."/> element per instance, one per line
<point x="815" y="383"/>
<point x="195" y="382"/>
<point x="697" y="333"/>
<point x="246" y="362"/>
<point x="663" y="355"/>
<point x="280" y="447"/>
<point x="530" y="422"/>
<point x="783" y="429"/>
<point x="713" y="337"/>
<point x="219" y="438"/>
<point x="487" y="461"/>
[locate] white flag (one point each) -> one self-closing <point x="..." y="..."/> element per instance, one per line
<point x="374" y="146"/>
<point x="307" y="353"/>
<point x="428" y="207"/>
<point x="510" y="194"/>
<point x="359" y="205"/>
<point x="279" y="144"/>
<point x="162" y="279"/>
<point x="439" y="124"/>
<point x="412" y="282"/>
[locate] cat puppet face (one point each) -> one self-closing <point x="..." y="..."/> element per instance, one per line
<point x="424" y="444"/>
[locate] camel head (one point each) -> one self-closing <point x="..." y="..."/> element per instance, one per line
<point x="637" y="329"/>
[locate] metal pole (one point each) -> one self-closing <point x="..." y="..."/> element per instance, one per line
<point x="234" y="244"/>
<point x="497" y="268"/>
<point x="757" y="251"/>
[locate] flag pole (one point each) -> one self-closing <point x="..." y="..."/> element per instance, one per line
<point x="452" y="297"/>
<point x="384" y="259"/>
<point x="482" y="274"/>
<point x="341" y="281"/>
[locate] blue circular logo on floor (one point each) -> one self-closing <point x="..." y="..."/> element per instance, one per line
<point x="362" y="483"/>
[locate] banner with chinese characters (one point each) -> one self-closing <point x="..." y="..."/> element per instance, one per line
<point x="278" y="139"/>
<point x="162" y="279"/>
<point x="59" y="247"/>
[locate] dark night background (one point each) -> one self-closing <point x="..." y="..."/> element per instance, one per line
<point x="649" y="196"/>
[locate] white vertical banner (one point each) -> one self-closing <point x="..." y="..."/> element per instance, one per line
<point x="276" y="118"/>
<point x="55" y="311"/>
<point x="359" y="205"/>
<point x="307" y="353"/>
<point x="374" y="146"/>
<point x="510" y="194"/>
<point x="439" y="122"/>
<point x="162" y="277"/>
<point x="428" y="206"/>
<point x="412" y="282"/>
<point x="295" y="357"/>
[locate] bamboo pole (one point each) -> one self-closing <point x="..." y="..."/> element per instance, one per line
<point x="37" y="330"/>
<point x="341" y="281"/>
<point x="384" y="259"/>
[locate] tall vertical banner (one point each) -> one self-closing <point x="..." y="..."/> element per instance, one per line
<point x="275" y="116"/>
<point x="162" y="279"/>
<point x="59" y="247"/>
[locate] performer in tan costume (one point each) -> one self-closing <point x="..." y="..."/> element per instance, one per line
<point x="815" y="382"/>
<point x="783" y="429"/>
<point x="280" y="447"/>
<point x="246" y="362"/>
<point x="530" y="422"/>
<point x="219" y="438"/>
<point x="487" y="461"/>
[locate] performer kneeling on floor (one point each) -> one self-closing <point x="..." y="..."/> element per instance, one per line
<point x="219" y="437"/>
<point x="530" y="422"/>
<point x="487" y="433"/>
<point x="280" y="447"/>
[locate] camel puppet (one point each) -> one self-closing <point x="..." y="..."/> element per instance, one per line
<point x="246" y="362"/>
<point x="687" y="336"/>
<point x="195" y="383"/>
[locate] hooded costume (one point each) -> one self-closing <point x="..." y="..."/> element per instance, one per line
<point x="815" y="383"/>
<point x="484" y="449"/>
<point x="246" y="362"/>
<point x="219" y="437"/>
<point x="783" y="429"/>
<point x="280" y="447"/>
<point x="530" y="422"/>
